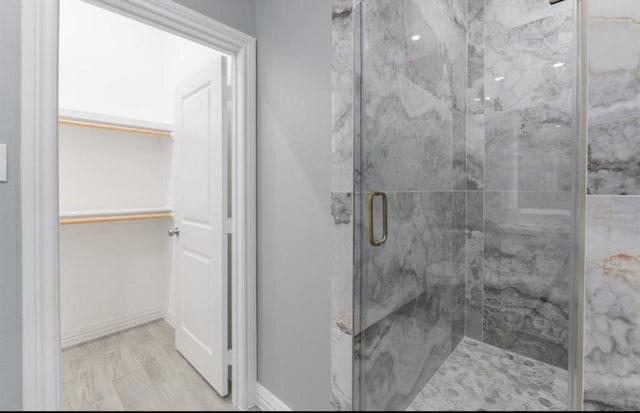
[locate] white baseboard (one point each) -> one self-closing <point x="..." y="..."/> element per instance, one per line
<point x="104" y="328"/>
<point x="266" y="401"/>
<point x="170" y="317"/>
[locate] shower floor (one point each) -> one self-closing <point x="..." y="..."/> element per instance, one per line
<point x="478" y="376"/>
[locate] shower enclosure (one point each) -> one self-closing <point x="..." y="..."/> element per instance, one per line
<point x="465" y="154"/>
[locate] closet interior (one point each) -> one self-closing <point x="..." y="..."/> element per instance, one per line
<point x="117" y="181"/>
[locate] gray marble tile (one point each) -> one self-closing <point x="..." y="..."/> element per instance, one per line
<point x="614" y="155"/>
<point x="614" y="98"/>
<point x="475" y="20"/>
<point x="458" y="241"/>
<point x="502" y="15"/>
<point x="474" y="226"/>
<point x="423" y="40"/>
<point x="407" y="136"/>
<point x="612" y="313"/>
<point x="530" y="65"/>
<point x="342" y="97"/>
<point x="357" y="345"/>
<point x="341" y="369"/>
<point x="475" y="77"/>
<point x="342" y="130"/>
<point x="342" y="265"/>
<point x="474" y="248"/>
<point x="341" y="300"/>
<point x="475" y="152"/>
<point x="529" y="150"/>
<point x="416" y="257"/>
<point x="401" y="352"/>
<point x="613" y="78"/>
<point x="477" y="376"/>
<point x="459" y="150"/>
<point x="473" y="303"/>
<point x="526" y="283"/>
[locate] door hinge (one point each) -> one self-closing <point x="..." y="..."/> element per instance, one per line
<point x="229" y="357"/>
<point x="228" y="225"/>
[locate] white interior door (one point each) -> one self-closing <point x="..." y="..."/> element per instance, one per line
<point x="200" y="214"/>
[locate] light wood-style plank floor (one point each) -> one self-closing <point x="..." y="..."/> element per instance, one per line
<point x="136" y="369"/>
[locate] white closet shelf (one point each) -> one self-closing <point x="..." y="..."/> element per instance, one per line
<point x="114" y="215"/>
<point x="100" y="121"/>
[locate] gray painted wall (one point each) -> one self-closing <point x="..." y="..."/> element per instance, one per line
<point x="10" y="303"/>
<point x="294" y="238"/>
<point x="293" y="201"/>
<point x="294" y="226"/>
<point x="239" y="14"/>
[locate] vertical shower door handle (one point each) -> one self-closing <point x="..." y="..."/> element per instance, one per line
<point x="372" y="196"/>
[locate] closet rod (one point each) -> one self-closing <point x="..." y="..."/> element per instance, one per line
<point x="113" y="218"/>
<point x="87" y="124"/>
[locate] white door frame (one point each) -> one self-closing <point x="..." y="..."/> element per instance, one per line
<point x="41" y="378"/>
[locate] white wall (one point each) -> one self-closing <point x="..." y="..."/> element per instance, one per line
<point x="112" y="273"/>
<point x="10" y="289"/>
<point x="113" y="65"/>
<point x="294" y="227"/>
<point x="106" y="170"/>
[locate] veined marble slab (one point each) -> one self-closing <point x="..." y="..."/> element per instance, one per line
<point x="341" y="204"/>
<point x="530" y="65"/>
<point x="423" y="40"/>
<point x="342" y="97"/>
<point x="475" y="20"/>
<point x="526" y="278"/>
<point x="475" y="152"/>
<point x="474" y="251"/>
<point x="415" y="258"/>
<point x="401" y="352"/>
<point x="502" y="15"/>
<point x="407" y="135"/>
<point x="614" y="97"/>
<point x="475" y="76"/>
<point x="529" y="149"/>
<point x="612" y="304"/>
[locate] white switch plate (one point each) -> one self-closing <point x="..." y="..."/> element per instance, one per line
<point x="3" y="162"/>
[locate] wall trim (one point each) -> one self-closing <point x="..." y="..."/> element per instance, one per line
<point x="41" y="378"/>
<point x="170" y="316"/>
<point x="268" y="402"/>
<point x="41" y="384"/>
<point x="114" y="325"/>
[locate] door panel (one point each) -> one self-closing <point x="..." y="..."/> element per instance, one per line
<point x="201" y="209"/>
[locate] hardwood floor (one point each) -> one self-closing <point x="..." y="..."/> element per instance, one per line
<point x="137" y="369"/>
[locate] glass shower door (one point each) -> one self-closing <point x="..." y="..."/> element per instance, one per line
<point x="464" y="159"/>
<point x="411" y="120"/>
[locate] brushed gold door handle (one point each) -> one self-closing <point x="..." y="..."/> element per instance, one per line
<point x="372" y="240"/>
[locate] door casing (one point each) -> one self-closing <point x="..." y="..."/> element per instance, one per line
<point x="41" y="374"/>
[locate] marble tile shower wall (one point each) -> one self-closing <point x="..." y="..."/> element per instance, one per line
<point x="412" y="146"/>
<point x="517" y="175"/>
<point x="612" y="284"/>
<point x="342" y="205"/>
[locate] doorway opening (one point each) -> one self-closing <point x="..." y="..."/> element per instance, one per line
<point x="144" y="129"/>
<point x="138" y="208"/>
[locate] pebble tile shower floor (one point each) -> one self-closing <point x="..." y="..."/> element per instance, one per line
<point x="477" y="376"/>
